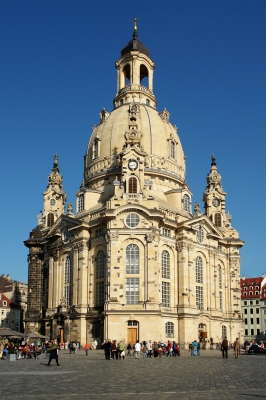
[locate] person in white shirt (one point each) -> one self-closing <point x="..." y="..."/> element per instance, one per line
<point x="137" y="349"/>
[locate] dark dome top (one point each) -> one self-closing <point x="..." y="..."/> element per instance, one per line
<point x="135" y="44"/>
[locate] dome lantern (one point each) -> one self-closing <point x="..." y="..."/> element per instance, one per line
<point x="135" y="74"/>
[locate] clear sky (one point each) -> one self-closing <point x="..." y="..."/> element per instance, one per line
<point x="57" y="73"/>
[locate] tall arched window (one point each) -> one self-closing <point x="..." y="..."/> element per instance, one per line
<point x="186" y="203"/>
<point x="81" y="202"/>
<point x="172" y="149"/>
<point x="100" y="265"/>
<point x="224" y="331"/>
<point x="220" y="276"/>
<point x="198" y="263"/>
<point x="126" y="72"/>
<point x="144" y="75"/>
<point x="67" y="269"/>
<point x="132" y="259"/>
<point x="169" y="329"/>
<point x="217" y="220"/>
<point x="132" y="185"/>
<point x="50" y="220"/>
<point x="165" y="265"/>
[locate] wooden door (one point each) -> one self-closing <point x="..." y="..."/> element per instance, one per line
<point x="61" y="335"/>
<point x="203" y="335"/>
<point x="132" y="335"/>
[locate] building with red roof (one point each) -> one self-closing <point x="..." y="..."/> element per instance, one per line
<point x="253" y="303"/>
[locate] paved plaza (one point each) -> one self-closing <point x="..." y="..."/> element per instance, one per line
<point x="206" y="377"/>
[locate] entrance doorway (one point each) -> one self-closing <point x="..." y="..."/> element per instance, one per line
<point x="202" y="332"/>
<point x="132" y="332"/>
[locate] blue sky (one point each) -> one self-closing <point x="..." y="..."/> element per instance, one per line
<point x="57" y="73"/>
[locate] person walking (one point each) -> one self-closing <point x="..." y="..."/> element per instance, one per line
<point x="225" y="347"/>
<point x="86" y="348"/>
<point x="54" y="353"/>
<point x="237" y="348"/>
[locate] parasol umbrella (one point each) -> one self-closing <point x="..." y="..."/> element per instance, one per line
<point x="6" y="332"/>
<point x="34" y="335"/>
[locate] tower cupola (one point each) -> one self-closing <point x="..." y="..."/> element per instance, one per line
<point x="135" y="73"/>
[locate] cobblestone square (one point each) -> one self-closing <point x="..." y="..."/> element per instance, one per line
<point x="206" y="377"/>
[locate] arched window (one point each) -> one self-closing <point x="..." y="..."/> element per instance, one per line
<point x="172" y="149"/>
<point x="67" y="270"/>
<point x="148" y="102"/>
<point x="220" y="276"/>
<point x="126" y="72"/>
<point x="50" y="220"/>
<point x="165" y="265"/>
<point x="198" y="263"/>
<point x="169" y="329"/>
<point x="132" y="259"/>
<point x="224" y="331"/>
<point x="100" y="265"/>
<point x="81" y="202"/>
<point x="186" y="203"/>
<point x="95" y="149"/>
<point x="143" y="75"/>
<point x="217" y="220"/>
<point x="132" y="185"/>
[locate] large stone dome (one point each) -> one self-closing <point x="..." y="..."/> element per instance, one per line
<point x="156" y="134"/>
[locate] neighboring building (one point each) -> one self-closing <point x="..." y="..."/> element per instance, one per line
<point x="10" y="315"/>
<point x="134" y="262"/>
<point x="17" y="293"/>
<point x="253" y="303"/>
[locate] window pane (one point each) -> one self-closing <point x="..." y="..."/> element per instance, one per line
<point x="132" y="259"/>
<point x="99" y="293"/>
<point x="169" y="329"/>
<point x="165" y="265"/>
<point x="199" y="297"/>
<point x="166" y="294"/>
<point x="132" y="290"/>
<point x="100" y="265"/>
<point x="199" y="270"/>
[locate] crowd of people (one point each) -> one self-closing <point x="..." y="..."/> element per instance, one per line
<point x="23" y="349"/>
<point x="115" y="351"/>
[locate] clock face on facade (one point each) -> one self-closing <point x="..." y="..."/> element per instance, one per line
<point x="132" y="164"/>
<point x="216" y="202"/>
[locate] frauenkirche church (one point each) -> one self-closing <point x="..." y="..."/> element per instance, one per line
<point x="135" y="261"/>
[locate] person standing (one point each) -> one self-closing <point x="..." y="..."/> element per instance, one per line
<point x="129" y="348"/>
<point x="195" y="348"/>
<point x="225" y="347"/>
<point x="121" y="348"/>
<point x="54" y="353"/>
<point x="198" y="350"/>
<point x="149" y="348"/>
<point x="107" y="349"/>
<point x="137" y="350"/>
<point x="86" y="348"/>
<point x="114" y="350"/>
<point x="237" y="348"/>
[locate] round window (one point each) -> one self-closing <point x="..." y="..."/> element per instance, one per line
<point x="132" y="220"/>
<point x="52" y="202"/>
<point x="200" y="234"/>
